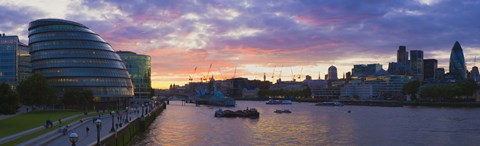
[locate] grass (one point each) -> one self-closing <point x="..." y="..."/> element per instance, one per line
<point x="43" y="131"/>
<point x="31" y="120"/>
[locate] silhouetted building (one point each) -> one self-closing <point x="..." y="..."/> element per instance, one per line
<point x="14" y="60"/>
<point x="308" y="78"/>
<point x="72" y="57"/>
<point x="363" y="70"/>
<point x="416" y="63"/>
<point x="402" y="61"/>
<point x="474" y="75"/>
<point x="332" y="73"/>
<point x="457" y="68"/>
<point x="439" y="74"/>
<point x="139" y="68"/>
<point x="429" y="67"/>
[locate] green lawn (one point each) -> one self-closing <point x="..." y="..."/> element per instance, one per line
<point x="31" y="120"/>
<point x="43" y="131"/>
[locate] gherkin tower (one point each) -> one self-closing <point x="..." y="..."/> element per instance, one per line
<point x="457" y="67"/>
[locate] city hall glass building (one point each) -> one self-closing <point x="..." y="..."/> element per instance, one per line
<point x="139" y="67"/>
<point x="71" y="56"/>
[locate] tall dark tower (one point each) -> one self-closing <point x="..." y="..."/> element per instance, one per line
<point x="416" y="63"/>
<point x="402" y="59"/>
<point x="457" y="66"/>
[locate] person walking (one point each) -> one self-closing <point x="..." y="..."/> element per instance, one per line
<point x="87" y="129"/>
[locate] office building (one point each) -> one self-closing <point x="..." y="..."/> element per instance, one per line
<point x="429" y="67"/>
<point x="362" y="70"/>
<point x="14" y="60"/>
<point x="439" y="74"/>
<point x="402" y="60"/>
<point x="416" y="63"/>
<point x="139" y="68"/>
<point x="332" y="73"/>
<point x="457" y="66"/>
<point x="474" y="74"/>
<point x="71" y="56"/>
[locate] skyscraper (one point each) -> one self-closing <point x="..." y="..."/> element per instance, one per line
<point x="14" y="60"/>
<point x="429" y="67"/>
<point x="439" y="74"/>
<point x="332" y="73"/>
<point x="139" y="67"/>
<point x="457" y="66"/>
<point x="416" y="63"/>
<point x="71" y="56"/>
<point x="474" y="75"/>
<point x="365" y="70"/>
<point x="402" y="59"/>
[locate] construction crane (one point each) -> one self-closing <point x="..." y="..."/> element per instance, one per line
<point x="300" y="74"/>
<point x="273" y="74"/>
<point x="208" y="73"/>
<point x="190" y="76"/>
<point x="281" y="69"/>
<point x="293" y="75"/>
<point x="220" y="71"/>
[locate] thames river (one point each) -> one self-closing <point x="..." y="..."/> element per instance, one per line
<point x="314" y="125"/>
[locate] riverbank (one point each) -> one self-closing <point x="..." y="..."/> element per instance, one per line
<point x="385" y="103"/>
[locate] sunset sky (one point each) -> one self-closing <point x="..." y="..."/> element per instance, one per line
<point x="256" y="36"/>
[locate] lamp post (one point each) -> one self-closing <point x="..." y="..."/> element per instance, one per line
<point x="127" y="114"/>
<point x="142" y="110"/>
<point x="98" y="123"/>
<point x="113" y="120"/>
<point x="73" y="138"/>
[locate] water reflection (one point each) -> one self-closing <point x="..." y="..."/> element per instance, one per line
<point x="313" y="125"/>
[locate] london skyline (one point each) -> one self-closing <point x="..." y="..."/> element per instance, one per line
<point x="256" y="36"/>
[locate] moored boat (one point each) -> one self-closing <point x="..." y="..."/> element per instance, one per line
<point x="279" y="101"/>
<point x="329" y="103"/>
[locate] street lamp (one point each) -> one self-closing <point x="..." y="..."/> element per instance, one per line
<point x="73" y="138"/>
<point x="127" y="114"/>
<point x="98" y="123"/>
<point x="142" y="110"/>
<point x="113" y="120"/>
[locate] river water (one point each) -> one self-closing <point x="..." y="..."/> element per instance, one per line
<point x="314" y="125"/>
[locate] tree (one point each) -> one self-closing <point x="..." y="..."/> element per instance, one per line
<point x="9" y="100"/>
<point x="35" y="90"/>
<point x="79" y="98"/>
<point x="411" y="88"/>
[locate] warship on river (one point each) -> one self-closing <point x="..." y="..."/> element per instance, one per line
<point x="209" y="95"/>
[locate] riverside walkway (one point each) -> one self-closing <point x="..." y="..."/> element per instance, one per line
<point x="55" y="138"/>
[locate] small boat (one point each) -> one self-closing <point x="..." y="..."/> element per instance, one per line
<point x="278" y="101"/>
<point x="329" y="103"/>
<point x="282" y="111"/>
<point x="248" y="113"/>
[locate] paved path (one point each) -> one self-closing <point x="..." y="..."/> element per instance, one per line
<point x="86" y="139"/>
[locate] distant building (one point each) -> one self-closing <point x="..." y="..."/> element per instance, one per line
<point x="457" y="66"/>
<point x="332" y="73"/>
<point x="429" y="67"/>
<point x="474" y="74"/>
<point x="363" y="70"/>
<point x="388" y="87"/>
<point x="139" y="68"/>
<point x="308" y="78"/>
<point x="439" y="74"/>
<point x="15" y="63"/>
<point x="402" y="61"/>
<point x="416" y="63"/>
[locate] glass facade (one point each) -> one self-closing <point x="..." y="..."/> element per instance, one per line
<point x="139" y="67"/>
<point x="14" y="60"/>
<point x="457" y="63"/>
<point x="71" y="56"/>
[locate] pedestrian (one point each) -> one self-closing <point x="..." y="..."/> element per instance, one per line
<point x="59" y="121"/>
<point x="87" y="129"/>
